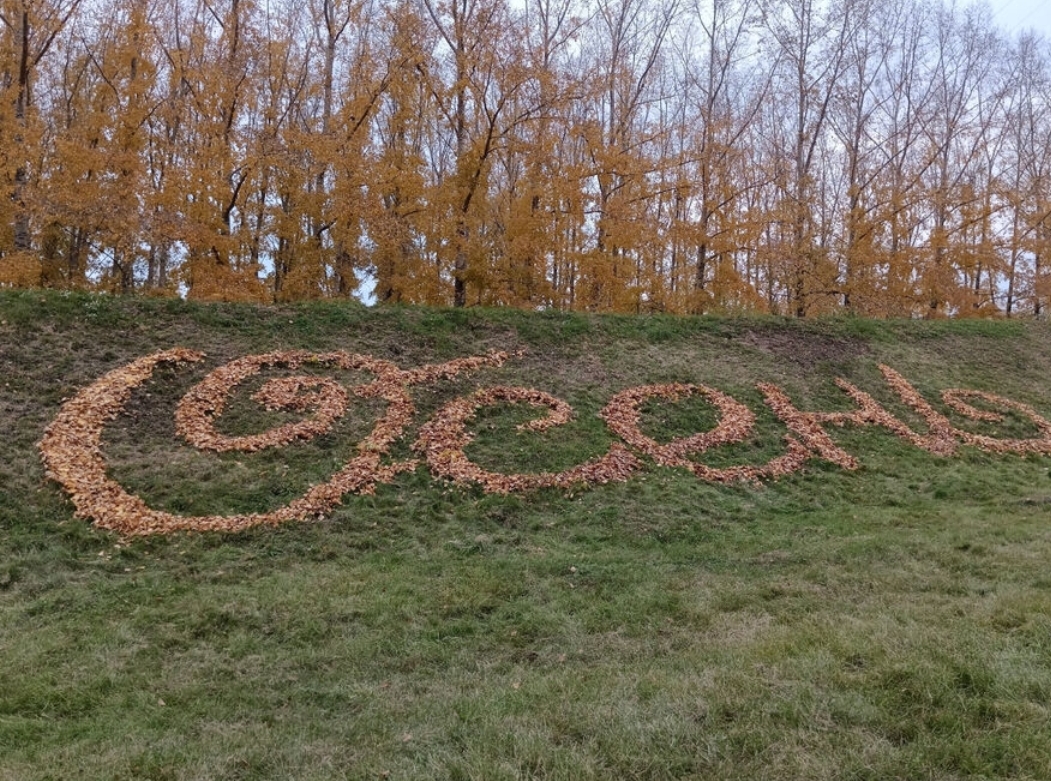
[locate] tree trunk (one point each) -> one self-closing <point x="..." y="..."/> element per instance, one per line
<point x="22" y="236"/>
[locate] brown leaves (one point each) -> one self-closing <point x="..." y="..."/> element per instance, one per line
<point x="942" y="438"/>
<point x="197" y="411"/>
<point x="939" y="438"/>
<point x="443" y="439"/>
<point x="72" y="453"/>
<point x="735" y="424"/>
<point x="71" y="445"/>
<point x="954" y="398"/>
<point x="807" y="426"/>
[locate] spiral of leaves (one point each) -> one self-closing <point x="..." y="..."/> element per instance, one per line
<point x="72" y="453"/>
<point x="197" y="411"/>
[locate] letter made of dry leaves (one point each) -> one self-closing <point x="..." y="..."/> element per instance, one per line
<point x="443" y="440"/>
<point x="736" y="423"/>
<point x="955" y="399"/>
<point x="71" y="445"/>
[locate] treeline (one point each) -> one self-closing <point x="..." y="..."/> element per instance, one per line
<point x="883" y="157"/>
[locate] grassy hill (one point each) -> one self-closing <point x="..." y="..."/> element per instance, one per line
<point x="891" y="621"/>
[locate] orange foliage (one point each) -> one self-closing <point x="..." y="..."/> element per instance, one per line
<point x="621" y="156"/>
<point x="72" y="444"/>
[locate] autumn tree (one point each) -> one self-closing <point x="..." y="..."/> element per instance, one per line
<point x="810" y="43"/>
<point x="722" y="94"/>
<point x="29" y="31"/>
<point x="954" y="136"/>
<point x="797" y="156"/>
<point x="1027" y="178"/>
<point x="626" y="43"/>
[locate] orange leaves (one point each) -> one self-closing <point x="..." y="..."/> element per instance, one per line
<point x="71" y="445"/>
<point x="72" y="453"/>
<point x="735" y="424"/>
<point x="443" y="439"/>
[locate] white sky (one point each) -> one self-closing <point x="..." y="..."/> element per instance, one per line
<point x="1013" y="16"/>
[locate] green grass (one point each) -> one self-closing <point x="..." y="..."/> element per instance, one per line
<point x="888" y="623"/>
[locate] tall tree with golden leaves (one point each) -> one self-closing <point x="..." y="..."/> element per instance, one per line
<point x="29" y="31"/>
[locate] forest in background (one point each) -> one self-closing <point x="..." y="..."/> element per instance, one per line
<point x="887" y="158"/>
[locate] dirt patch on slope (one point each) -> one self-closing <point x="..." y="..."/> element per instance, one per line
<point x="807" y="349"/>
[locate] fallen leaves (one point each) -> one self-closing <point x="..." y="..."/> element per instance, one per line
<point x="197" y="411"/>
<point x="72" y="452"/>
<point x="735" y="424"/>
<point x="71" y="445"/>
<point x="942" y="438"/>
<point x="442" y="441"/>
<point x="954" y="398"/>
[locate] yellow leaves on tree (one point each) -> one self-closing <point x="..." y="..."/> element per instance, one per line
<point x="623" y="155"/>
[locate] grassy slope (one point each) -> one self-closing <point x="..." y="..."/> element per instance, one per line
<point x="894" y="622"/>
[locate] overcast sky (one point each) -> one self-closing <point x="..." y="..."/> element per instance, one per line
<point x="1015" y="15"/>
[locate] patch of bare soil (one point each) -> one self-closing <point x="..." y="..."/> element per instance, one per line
<point x="807" y="349"/>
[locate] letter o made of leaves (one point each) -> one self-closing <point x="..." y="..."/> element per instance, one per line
<point x="735" y="423"/>
<point x="622" y="415"/>
<point x="444" y="437"/>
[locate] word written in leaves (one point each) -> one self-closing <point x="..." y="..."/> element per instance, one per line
<point x="72" y="443"/>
